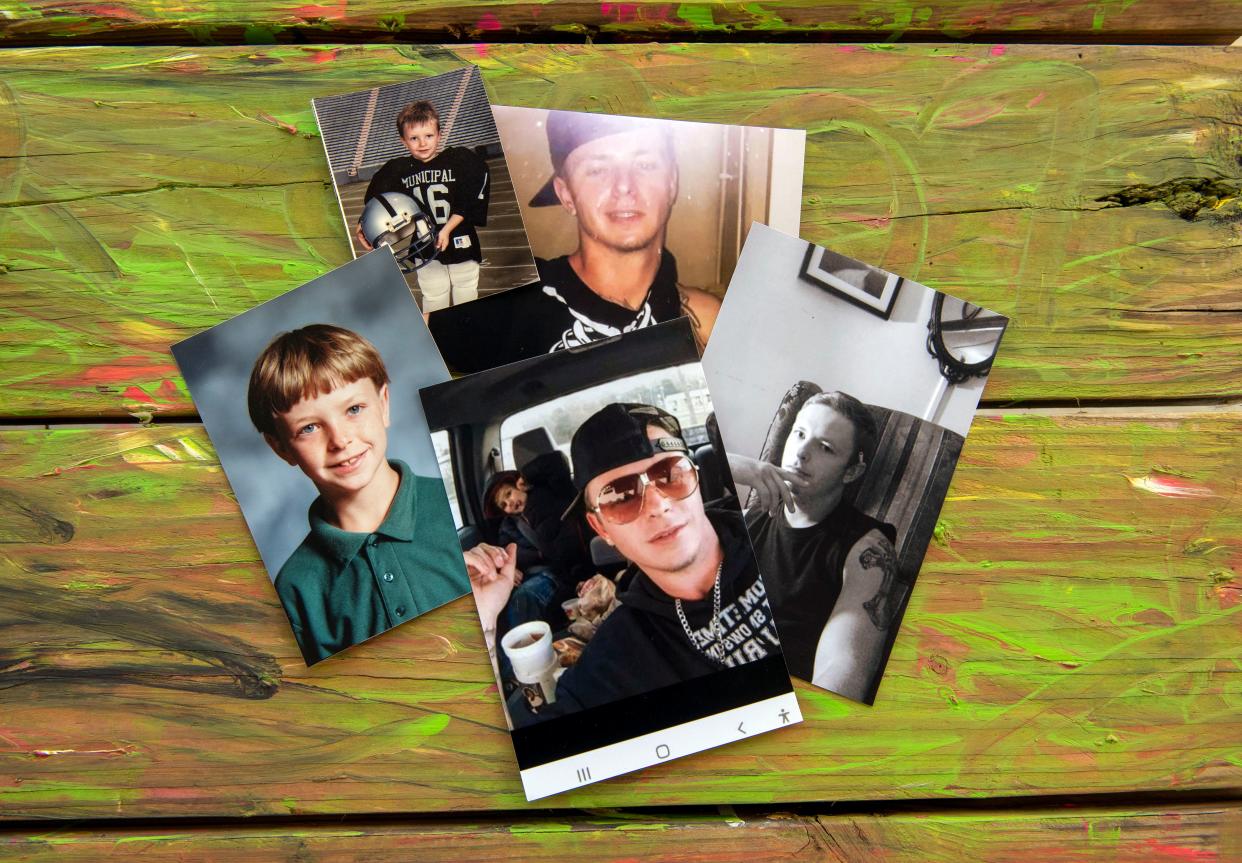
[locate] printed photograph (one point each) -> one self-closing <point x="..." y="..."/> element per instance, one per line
<point x="633" y="222"/>
<point x="419" y="166"/>
<point x="616" y="586"/>
<point x="843" y="441"/>
<point x="311" y="401"/>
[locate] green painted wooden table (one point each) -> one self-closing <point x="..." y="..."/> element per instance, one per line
<point x="1068" y="681"/>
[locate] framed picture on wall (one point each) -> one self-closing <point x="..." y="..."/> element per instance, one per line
<point x="867" y="287"/>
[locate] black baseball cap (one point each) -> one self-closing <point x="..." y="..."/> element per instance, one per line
<point x="616" y="434"/>
<point x="569" y="130"/>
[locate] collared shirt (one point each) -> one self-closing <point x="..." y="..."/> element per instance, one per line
<point x="341" y="587"/>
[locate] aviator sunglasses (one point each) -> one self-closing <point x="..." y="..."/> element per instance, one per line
<point x="621" y="500"/>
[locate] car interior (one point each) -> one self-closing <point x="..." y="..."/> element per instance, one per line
<point x="480" y="404"/>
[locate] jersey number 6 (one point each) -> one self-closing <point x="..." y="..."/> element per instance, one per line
<point x="436" y="201"/>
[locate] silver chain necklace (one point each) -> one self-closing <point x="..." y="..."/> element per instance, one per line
<point x="716" y="651"/>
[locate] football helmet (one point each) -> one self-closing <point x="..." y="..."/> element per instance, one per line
<point x="400" y="221"/>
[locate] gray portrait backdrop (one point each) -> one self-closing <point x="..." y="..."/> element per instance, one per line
<point x="368" y="296"/>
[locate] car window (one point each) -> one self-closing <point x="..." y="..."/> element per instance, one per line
<point x="680" y="390"/>
<point x="440" y="440"/>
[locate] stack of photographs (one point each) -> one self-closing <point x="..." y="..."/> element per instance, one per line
<point x="644" y="589"/>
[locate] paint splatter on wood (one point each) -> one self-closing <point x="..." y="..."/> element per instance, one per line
<point x="174" y="208"/>
<point x="1169" y="834"/>
<point x="433" y="21"/>
<point x="1070" y="633"/>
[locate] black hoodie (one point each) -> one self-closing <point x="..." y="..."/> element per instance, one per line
<point x="642" y="646"/>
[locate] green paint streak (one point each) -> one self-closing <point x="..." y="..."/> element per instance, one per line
<point x="764" y="18"/>
<point x="1109" y="833"/>
<point x="82" y="584"/>
<point x="427" y="726"/>
<point x="698" y="16"/>
<point x="892" y="149"/>
<point x="167" y="837"/>
<point x="542" y="827"/>
<point x="902" y="18"/>
<point x="261" y="34"/>
<point x="1086" y="259"/>
<point x="392" y="23"/>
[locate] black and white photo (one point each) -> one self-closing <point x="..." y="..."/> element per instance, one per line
<point x="844" y="430"/>
<point x="616" y="587"/>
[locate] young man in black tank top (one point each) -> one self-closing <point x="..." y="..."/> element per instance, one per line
<point x="828" y="567"/>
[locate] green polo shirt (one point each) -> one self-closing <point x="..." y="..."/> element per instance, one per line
<point x="340" y="587"/>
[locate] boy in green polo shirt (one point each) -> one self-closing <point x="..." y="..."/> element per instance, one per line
<point x="382" y="547"/>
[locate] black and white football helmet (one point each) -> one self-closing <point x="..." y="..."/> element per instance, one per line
<point x="400" y="221"/>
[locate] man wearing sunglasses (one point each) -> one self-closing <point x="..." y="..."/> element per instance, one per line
<point x="695" y="605"/>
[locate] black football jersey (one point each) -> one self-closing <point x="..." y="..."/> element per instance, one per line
<point x="455" y="182"/>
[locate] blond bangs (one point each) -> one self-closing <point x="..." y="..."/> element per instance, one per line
<point x="305" y="364"/>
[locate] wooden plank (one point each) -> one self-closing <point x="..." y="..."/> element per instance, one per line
<point x="43" y="22"/>
<point x="1204" y="832"/>
<point x="155" y="195"/>
<point x="1176" y="834"/>
<point x="1075" y="629"/>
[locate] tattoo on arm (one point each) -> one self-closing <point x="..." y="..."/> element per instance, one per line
<point x="883" y="607"/>
<point x="695" y="324"/>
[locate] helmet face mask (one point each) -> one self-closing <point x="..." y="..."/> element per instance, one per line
<point x="401" y="222"/>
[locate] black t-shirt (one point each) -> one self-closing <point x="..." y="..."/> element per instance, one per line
<point x="455" y="182"/>
<point x="535" y="319"/>
<point x="803" y="568"/>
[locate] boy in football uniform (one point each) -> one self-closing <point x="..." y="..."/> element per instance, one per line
<point x="454" y="187"/>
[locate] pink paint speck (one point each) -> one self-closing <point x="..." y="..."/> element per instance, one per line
<point x="488" y="22"/>
<point x="849" y="49"/>
<point x="869" y="219"/>
<point x="480" y="49"/>
<point x="111" y="12"/>
<point x="324" y="56"/>
<point x="1169" y="486"/>
<point x="126" y="368"/>
<point x="1228" y="595"/>
<point x="137" y="395"/>
<point x="998" y="51"/>
<point x="1041" y="97"/>
<point x="313" y="11"/>
<point x="623" y="11"/>
<point x="1180" y="852"/>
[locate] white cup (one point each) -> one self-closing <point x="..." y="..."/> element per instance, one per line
<point x="534" y="661"/>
